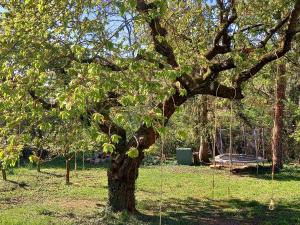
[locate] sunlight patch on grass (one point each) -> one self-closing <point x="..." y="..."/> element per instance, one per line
<point x="186" y="198"/>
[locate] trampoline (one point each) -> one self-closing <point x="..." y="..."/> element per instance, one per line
<point x="238" y="159"/>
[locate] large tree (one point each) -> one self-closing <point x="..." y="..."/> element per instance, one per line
<point x="277" y="134"/>
<point x="125" y="66"/>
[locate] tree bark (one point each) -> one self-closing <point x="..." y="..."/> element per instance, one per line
<point x="121" y="185"/>
<point x="75" y="162"/>
<point x="203" y="149"/>
<point x="277" y="136"/>
<point x="83" y="158"/>
<point x="38" y="166"/>
<point x="3" y="174"/>
<point x="123" y="170"/>
<point x="68" y="171"/>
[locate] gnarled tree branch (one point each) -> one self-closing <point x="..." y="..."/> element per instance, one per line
<point x="284" y="47"/>
<point x="226" y="21"/>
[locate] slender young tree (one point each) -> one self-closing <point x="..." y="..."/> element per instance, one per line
<point x="9" y="154"/>
<point x="3" y="171"/>
<point x="37" y="143"/>
<point x="66" y="138"/>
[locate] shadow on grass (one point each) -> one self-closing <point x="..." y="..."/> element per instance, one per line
<point x="19" y="184"/>
<point x="59" y="163"/>
<point x="229" y="212"/>
<point x="52" y="174"/>
<point x="264" y="172"/>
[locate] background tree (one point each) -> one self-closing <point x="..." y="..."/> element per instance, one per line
<point x="9" y="153"/>
<point x="67" y="137"/>
<point x="203" y="120"/>
<point x="278" y="128"/>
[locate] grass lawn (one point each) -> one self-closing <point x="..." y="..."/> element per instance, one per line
<point x="32" y="198"/>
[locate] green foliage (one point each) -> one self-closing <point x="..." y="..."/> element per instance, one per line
<point x="115" y="138"/>
<point x="9" y="153"/>
<point x="133" y="152"/>
<point x="108" y="148"/>
<point x="66" y="67"/>
<point x="33" y="159"/>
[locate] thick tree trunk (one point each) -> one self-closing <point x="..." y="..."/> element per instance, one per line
<point x="123" y="171"/>
<point x="68" y="171"/>
<point x="278" y="119"/>
<point x="122" y="176"/>
<point x="203" y="149"/>
<point x="3" y="174"/>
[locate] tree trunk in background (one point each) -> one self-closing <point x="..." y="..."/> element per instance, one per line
<point x="122" y="176"/>
<point x="203" y="119"/>
<point x="299" y="108"/>
<point x="294" y="146"/>
<point x="3" y="174"/>
<point x="38" y="166"/>
<point x="277" y="136"/>
<point x="83" y="158"/>
<point x="67" y="171"/>
<point x="75" y="161"/>
<point x="40" y="158"/>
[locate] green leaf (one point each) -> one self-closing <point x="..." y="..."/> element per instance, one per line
<point x="162" y="131"/>
<point x="182" y="135"/>
<point x="120" y="118"/>
<point x="102" y="138"/>
<point x="98" y="117"/>
<point x="186" y="69"/>
<point x="147" y="120"/>
<point x="33" y="158"/>
<point x="122" y="8"/>
<point x="133" y="152"/>
<point x="27" y="2"/>
<point x="132" y="4"/>
<point x="107" y="147"/>
<point x="64" y="115"/>
<point x="110" y="45"/>
<point x="182" y="92"/>
<point x="128" y="100"/>
<point x="115" y="138"/>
